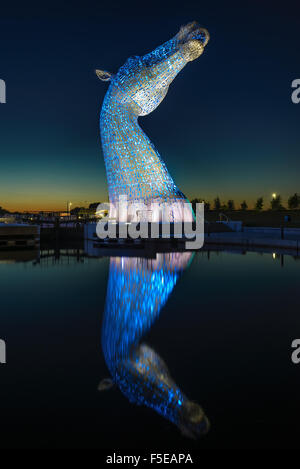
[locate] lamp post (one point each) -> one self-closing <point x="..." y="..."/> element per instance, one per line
<point x="69" y="207"/>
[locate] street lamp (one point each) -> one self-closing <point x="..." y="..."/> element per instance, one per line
<point x="274" y="196"/>
<point x="69" y="207"/>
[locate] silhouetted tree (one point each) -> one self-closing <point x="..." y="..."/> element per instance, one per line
<point x="94" y="205"/>
<point x="207" y="205"/>
<point x="217" y="204"/>
<point x="294" y="201"/>
<point x="276" y="203"/>
<point x="3" y="211"/>
<point x="230" y="204"/>
<point x="76" y="210"/>
<point x="198" y="201"/>
<point x="244" y="205"/>
<point x="259" y="204"/>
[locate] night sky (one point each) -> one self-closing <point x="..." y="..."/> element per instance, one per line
<point x="227" y="127"/>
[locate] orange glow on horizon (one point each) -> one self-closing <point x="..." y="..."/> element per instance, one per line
<point x="61" y="206"/>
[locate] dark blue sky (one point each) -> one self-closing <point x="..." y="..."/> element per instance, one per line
<point x="227" y="126"/>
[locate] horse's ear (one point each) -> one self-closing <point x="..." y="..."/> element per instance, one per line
<point x="103" y="75"/>
<point x="105" y="384"/>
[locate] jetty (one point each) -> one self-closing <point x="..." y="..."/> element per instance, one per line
<point x="18" y="235"/>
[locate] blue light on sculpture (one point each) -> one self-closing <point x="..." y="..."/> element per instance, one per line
<point x="137" y="290"/>
<point x="134" y="167"/>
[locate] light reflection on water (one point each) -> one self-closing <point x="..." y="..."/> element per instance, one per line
<point x="137" y="290"/>
<point x="222" y="322"/>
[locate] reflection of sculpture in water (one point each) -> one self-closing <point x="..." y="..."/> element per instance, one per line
<point x="137" y="290"/>
<point x="133" y="166"/>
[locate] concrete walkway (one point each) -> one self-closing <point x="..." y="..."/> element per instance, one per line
<point x="264" y="237"/>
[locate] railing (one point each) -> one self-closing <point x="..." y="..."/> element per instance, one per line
<point x="223" y="216"/>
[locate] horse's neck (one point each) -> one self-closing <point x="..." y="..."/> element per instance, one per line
<point x="133" y="165"/>
<point x="137" y="290"/>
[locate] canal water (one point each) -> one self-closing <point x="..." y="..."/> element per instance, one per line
<point x="134" y="352"/>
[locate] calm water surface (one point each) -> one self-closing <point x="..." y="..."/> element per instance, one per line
<point x="125" y="352"/>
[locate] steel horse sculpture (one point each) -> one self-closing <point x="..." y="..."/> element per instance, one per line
<point x="134" y="167"/>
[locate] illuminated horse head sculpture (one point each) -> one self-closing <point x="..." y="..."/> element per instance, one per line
<point x="133" y="166"/>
